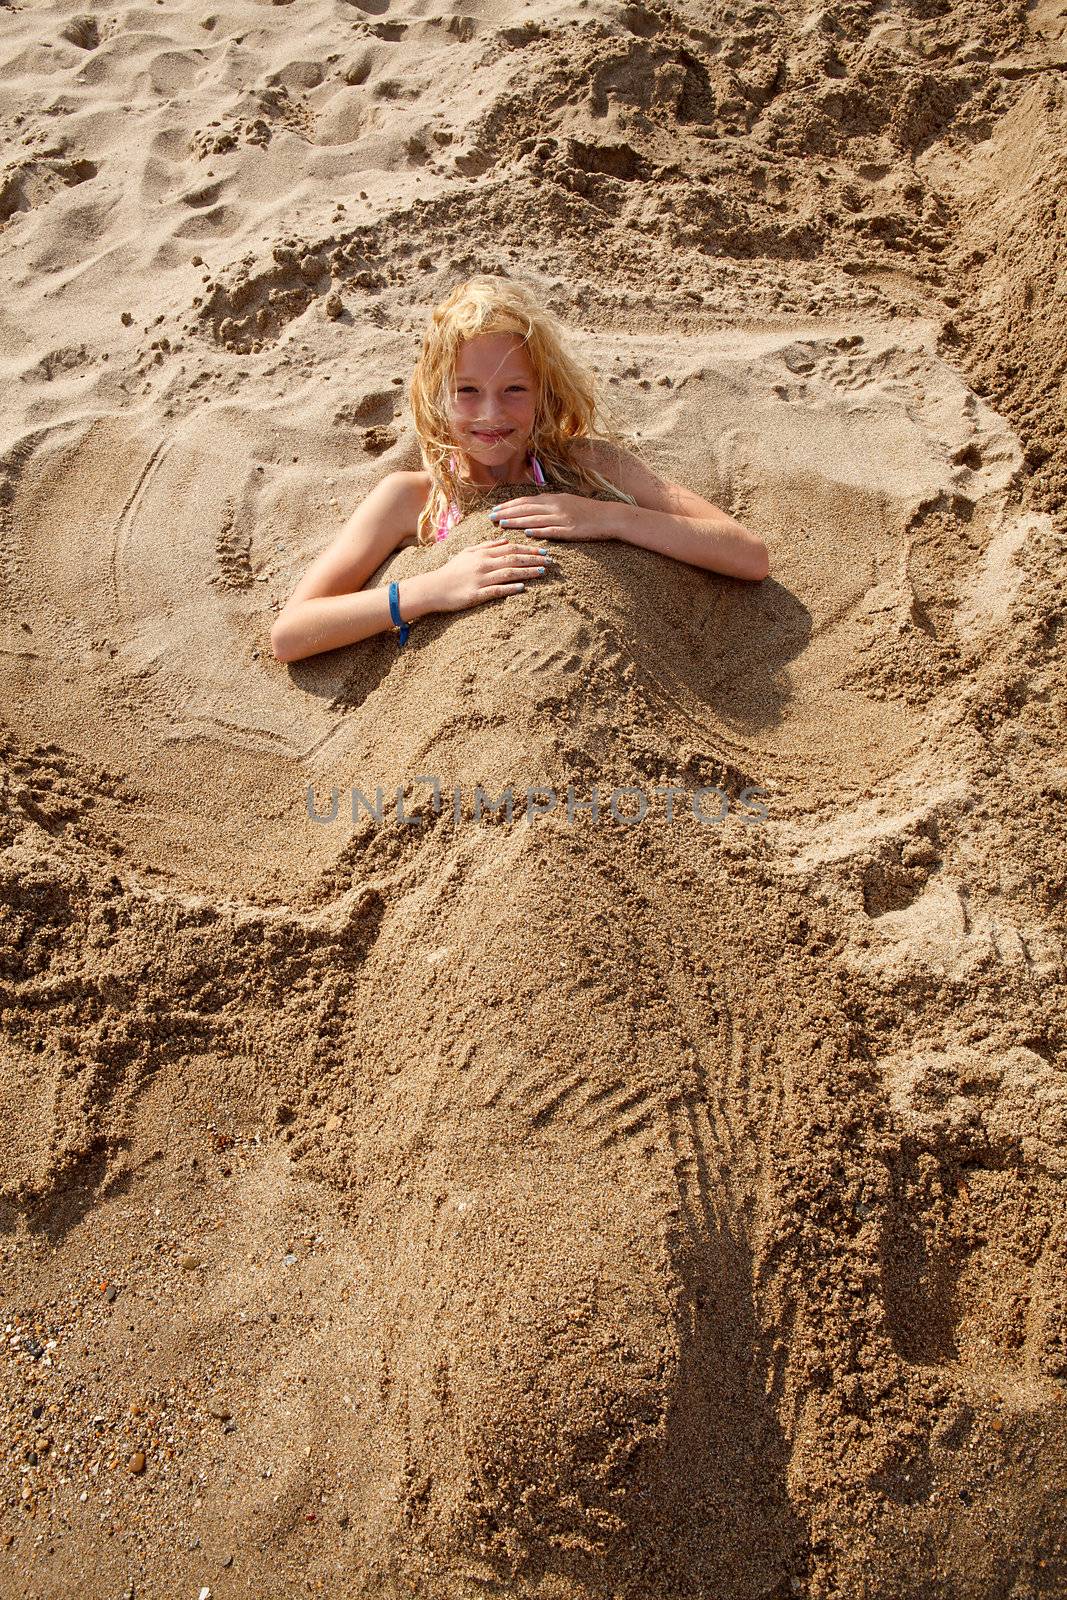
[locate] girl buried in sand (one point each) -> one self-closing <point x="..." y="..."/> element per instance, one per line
<point x="498" y="405"/>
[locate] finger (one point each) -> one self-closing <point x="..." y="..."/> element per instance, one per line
<point x="512" y="552"/>
<point x="523" y="552"/>
<point x="510" y="513"/>
<point x="495" y="589"/>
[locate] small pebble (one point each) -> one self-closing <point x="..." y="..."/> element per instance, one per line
<point x="137" y="1461"/>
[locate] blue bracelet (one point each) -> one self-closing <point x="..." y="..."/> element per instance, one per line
<point x="394" y="611"/>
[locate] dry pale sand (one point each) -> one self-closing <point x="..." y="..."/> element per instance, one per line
<point x="544" y="1207"/>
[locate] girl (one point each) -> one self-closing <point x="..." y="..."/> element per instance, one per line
<point x="497" y="401"/>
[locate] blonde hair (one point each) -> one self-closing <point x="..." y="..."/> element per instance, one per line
<point x="568" y="408"/>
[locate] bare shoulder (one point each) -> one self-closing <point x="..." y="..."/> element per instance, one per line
<point x="600" y="454"/>
<point x="620" y="467"/>
<point x="410" y="487"/>
<point x="412" y="490"/>
<point x="416" y="480"/>
<point x="630" y="474"/>
<point x="385" y="519"/>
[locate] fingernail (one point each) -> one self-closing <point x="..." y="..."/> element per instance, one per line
<point x="542" y="552"/>
<point x="540" y="569"/>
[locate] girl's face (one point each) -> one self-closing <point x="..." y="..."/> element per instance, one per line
<point x="493" y="399"/>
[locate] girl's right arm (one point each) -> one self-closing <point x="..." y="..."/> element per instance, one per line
<point x="327" y="610"/>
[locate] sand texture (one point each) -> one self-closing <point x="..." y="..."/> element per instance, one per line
<point x="557" y="1206"/>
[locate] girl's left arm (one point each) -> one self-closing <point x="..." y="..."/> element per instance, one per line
<point x="673" y="520"/>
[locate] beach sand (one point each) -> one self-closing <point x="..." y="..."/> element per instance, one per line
<point x="561" y="1205"/>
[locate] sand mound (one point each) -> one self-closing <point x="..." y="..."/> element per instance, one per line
<point x="666" y="1200"/>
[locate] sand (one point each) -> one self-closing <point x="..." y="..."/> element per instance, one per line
<point x="556" y="1205"/>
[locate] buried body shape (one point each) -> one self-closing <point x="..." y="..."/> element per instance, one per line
<point x="500" y="409"/>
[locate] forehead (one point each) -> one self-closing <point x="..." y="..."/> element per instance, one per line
<point x="493" y="355"/>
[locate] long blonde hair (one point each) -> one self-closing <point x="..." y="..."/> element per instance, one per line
<point x="568" y="407"/>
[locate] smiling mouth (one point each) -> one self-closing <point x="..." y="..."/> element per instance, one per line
<point x="491" y="438"/>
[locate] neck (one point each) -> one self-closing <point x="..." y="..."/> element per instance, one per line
<point x="511" y="470"/>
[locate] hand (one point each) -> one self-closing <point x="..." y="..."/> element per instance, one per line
<point x="555" y="516"/>
<point x="485" y="572"/>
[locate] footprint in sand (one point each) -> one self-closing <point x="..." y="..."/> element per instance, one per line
<point x="971" y="1255"/>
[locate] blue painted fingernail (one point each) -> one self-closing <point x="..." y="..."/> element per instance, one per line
<point x="542" y="552"/>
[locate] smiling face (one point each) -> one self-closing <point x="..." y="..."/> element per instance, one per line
<point x="493" y="404"/>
